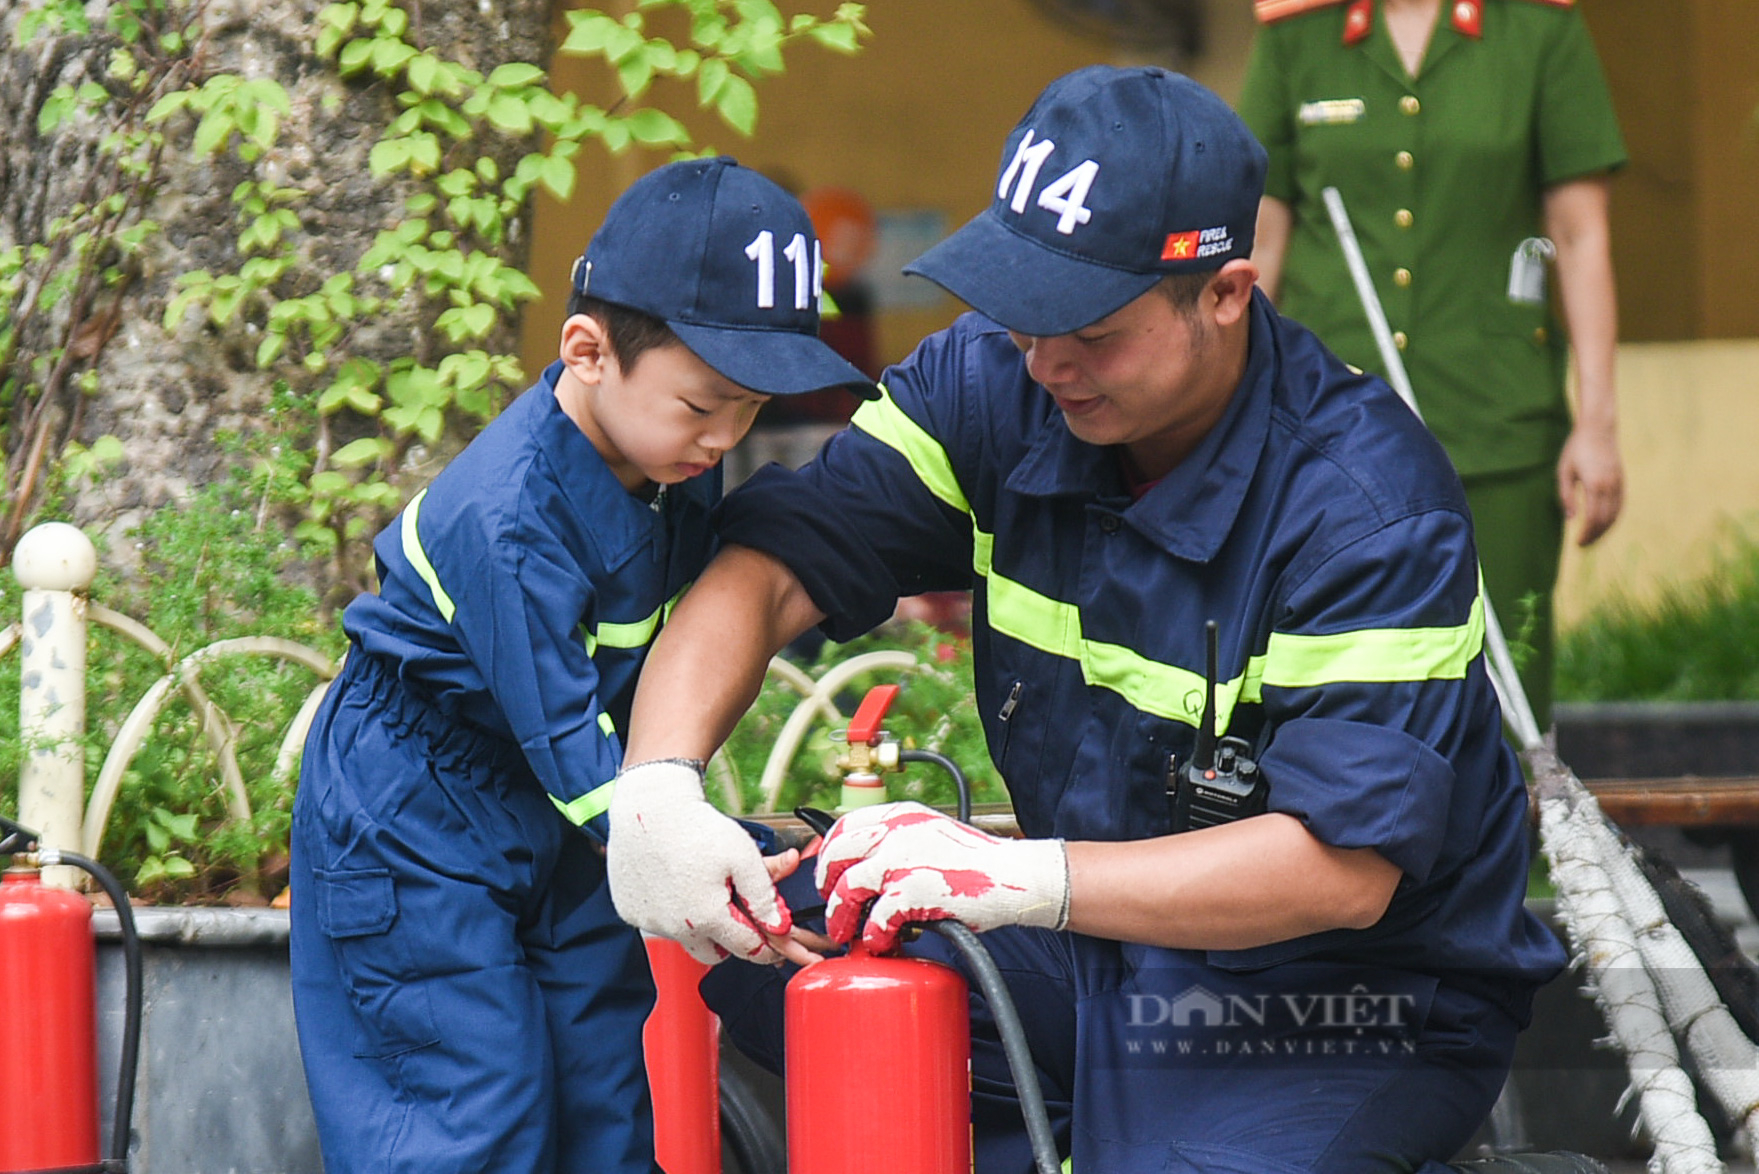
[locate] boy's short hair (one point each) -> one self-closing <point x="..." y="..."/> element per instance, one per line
<point x="631" y="333"/>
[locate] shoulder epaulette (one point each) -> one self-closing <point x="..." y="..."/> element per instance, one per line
<point x="1271" y="11"/>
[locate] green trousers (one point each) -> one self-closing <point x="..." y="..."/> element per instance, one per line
<point x="1520" y="529"/>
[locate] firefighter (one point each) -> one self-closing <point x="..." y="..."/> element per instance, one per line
<point x="1124" y="442"/>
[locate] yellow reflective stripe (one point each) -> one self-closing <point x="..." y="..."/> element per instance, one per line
<point x="590" y="805"/>
<point x="1047" y="624"/>
<point x="632" y="635"/>
<point x="418" y="558"/>
<point x="1373" y="655"/>
<point x="1376" y="654"/>
<point x="886" y="422"/>
<point x="607" y="725"/>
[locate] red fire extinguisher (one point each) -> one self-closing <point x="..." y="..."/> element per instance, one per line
<point x="682" y="1042"/>
<point x="48" y="966"/>
<point x="879" y="1067"/>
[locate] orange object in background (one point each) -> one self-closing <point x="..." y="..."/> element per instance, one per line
<point x="48" y="1018"/>
<point x="682" y="1042"/>
<point x="847" y="232"/>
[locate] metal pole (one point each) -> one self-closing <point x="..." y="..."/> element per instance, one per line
<point x="55" y="564"/>
<point x="1515" y="706"/>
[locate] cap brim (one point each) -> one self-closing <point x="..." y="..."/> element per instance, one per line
<point x="1024" y="286"/>
<point x="773" y="362"/>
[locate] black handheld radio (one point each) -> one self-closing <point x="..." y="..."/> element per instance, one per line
<point x="1220" y="782"/>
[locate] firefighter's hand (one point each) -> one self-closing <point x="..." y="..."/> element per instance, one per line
<point x="681" y="869"/>
<point x="916" y="864"/>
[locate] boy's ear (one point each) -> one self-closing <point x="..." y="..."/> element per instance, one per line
<point x="585" y="348"/>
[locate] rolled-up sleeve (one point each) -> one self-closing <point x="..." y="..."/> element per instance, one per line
<point x="1366" y="689"/>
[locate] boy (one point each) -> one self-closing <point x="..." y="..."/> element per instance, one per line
<point x="466" y="997"/>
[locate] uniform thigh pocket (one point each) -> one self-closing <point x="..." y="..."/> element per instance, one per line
<point x="357" y="911"/>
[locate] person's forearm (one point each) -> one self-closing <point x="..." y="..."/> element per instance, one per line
<point x="708" y="664"/>
<point x="1576" y="219"/>
<point x="1270" y="242"/>
<point x="1245" y="884"/>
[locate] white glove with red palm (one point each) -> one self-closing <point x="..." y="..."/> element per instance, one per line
<point x="922" y="865"/>
<point x="680" y="869"/>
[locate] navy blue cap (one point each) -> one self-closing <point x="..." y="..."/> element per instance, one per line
<point x="1113" y="180"/>
<point x="730" y="262"/>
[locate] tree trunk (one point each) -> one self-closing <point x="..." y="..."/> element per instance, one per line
<point x="168" y="396"/>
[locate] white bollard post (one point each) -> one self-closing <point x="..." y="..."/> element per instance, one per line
<point x="54" y="563"/>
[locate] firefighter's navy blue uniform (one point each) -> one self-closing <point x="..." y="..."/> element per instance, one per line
<point x="467" y="997"/>
<point x="1323" y="528"/>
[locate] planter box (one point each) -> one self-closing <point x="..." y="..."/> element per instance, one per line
<point x="219" y="1089"/>
<point x="1660" y="739"/>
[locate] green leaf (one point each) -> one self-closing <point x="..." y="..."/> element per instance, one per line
<point x="840" y="37"/>
<point x="54" y="110"/>
<point x="424" y="152"/>
<point x="424" y="70"/>
<point x="177" y="868"/>
<point x="107" y="450"/>
<point x="509" y="115"/>
<point x="656" y="128"/>
<point x="167" y="106"/>
<point x="589" y="33"/>
<point x="634" y="74"/>
<point x="270" y="348"/>
<point x="558" y="177"/>
<point x="737" y="105"/>
<point x="389" y="55"/>
<point x="316" y="535"/>
<point x="330" y="483"/>
<point x="516" y="73"/>
<point x="158" y="839"/>
<point x="356" y="55"/>
<point x="360" y="452"/>
<point x="389" y="155"/>
<point x="710" y="78"/>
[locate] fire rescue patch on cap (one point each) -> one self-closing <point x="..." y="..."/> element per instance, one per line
<point x="1196" y="244"/>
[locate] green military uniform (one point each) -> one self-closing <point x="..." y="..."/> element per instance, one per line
<point x="1443" y="175"/>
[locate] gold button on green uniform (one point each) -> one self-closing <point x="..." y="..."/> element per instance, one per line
<point x="1494" y="120"/>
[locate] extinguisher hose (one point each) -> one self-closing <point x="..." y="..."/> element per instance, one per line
<point x="1001" y="1006"/>
<point x="123" y="1123"/>
<point x="960" y="783"/>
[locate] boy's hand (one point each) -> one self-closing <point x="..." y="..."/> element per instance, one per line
<point x="922" y="865"/>
<point x="681" y="869"/>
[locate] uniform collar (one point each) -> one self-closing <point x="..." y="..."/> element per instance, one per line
<point x="1364" y="27"/>
<point x="619" y="520"/>
<point x="1466" y="17"/>
<point x="1191" y="510"/>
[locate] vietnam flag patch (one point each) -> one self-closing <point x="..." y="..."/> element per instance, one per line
<point x="1180" y="246"/>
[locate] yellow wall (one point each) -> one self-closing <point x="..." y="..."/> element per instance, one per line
<point x="917" y="121"/>
<point x="1690" y="422"/>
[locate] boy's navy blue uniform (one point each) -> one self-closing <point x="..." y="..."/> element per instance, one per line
<point x="445" y="885"/>
<point x="1322" y="528"/>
